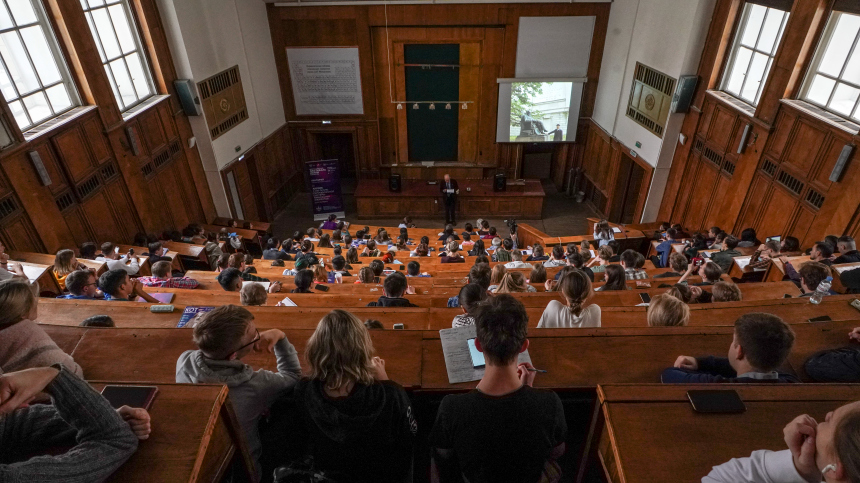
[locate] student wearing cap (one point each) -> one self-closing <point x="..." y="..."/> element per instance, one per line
<point x="302" y="263"/>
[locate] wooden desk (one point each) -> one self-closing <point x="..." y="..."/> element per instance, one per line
<point x="42" y="274"/>
<point x="46" y="259"/>
<point x="417" y="198"/>
<point x="260" y="226"/>
<point x="249" y="235"/>
<point x="643" y="424"/>
<point x="145" y="269"/>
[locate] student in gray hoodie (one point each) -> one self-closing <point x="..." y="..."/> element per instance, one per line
<point x="225" y="335"/>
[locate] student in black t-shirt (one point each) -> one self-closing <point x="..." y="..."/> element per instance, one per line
<point x="503" y="430"/>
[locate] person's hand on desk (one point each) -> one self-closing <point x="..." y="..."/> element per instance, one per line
<point x="410" y="290"/>
<point x="138" y="420"/>
<point x="800" y="438"/>
<point x="268" y="339"/>
<point x="274" y="287"/>
<point x="19" y="388"/>
<point x="687" y="362"/>
<point x="526" y="376"/>
<point x="855" y="334"/>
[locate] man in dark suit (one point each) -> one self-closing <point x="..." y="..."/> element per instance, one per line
<point x="557" y="133"/>
<point x="450" y="191"/>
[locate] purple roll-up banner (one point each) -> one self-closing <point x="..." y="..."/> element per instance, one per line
<point x="324" y="176"/>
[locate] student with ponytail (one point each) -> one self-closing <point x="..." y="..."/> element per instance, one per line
<point x="576" y="289"/>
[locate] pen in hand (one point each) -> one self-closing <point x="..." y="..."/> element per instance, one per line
<point x="536" y="370"/>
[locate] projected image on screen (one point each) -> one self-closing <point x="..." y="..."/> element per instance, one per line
<point x="539" y="111"/>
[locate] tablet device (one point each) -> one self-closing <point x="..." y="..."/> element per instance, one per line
<point x="477" y="356"/>
<point x="646" y="298"/>
<point x="716" y="401"/>
<point x="132" y="396"/>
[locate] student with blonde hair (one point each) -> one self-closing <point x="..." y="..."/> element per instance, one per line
<point x="320" y="274"/>
<point x="361" y="423"/>
<point x="23" y="343"/>
<point x="599" y="263"/>
<point x="64" y="264"/>
<point x="496" y="275"/>
<point x="667" y="311"/>
<point x="727" y="292"/>
<point x="575" y="286"/>
<point x="253" y="294"/>
<point x="514" y="282"/>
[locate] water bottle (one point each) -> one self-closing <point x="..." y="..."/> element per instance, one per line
<point x="822" y="290"/>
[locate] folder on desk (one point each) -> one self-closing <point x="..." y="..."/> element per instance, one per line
<point x="164" y="298"/>
<point x="458" y="360"/>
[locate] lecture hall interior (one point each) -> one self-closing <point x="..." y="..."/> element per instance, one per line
<point x="375" y="240"/>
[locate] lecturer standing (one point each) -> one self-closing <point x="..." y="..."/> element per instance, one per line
<point x="449" y="195"/>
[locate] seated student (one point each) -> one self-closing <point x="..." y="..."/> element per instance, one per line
<point x="478" y="249"/>
<point x="664" y="249"/>
<point x="614" y="279"/>
<point x="748" y="238"/>
<point x="680" y="230"/>
<point x="538" y="254"/>
<point x="252" y="294"/>
<point x="224" y="336"/>
<point x="394" y="286"/>
<point x="452" y="255"/>
<point x="812" y="274"/>
<point x="603" y="233"/>
<point x="710" y="273"/>
<point x="694" y="245"/>
<point x="330" y="223"/>
<point x="365" y="275"/>
<point x="402" y="243"/>
<point x="237" y="261"/>
<point x="299" y="265"/>
<point x="664" y="310"/>
<point x="377" y="266"/>
<point x="467" y="241"/>
<point x="64" y="264"/>
<point x="726" y="292"/>
<point x="496" y="275"/>
<point x="682" y="292"/>
<point x="503" y="253"/>
<point x="104" y="321"/>
<point x="100" y="438"/>
<point x="320" y="274"/>
<point x="23" y="343"/>
<point x="352" y="257"/>
<point x="598" y="264"/>
<point x="468" y="230"/>
<point x="836" y="365"/>
<point x="514" y="282"/>
<point x="127" y="262"/>
<point x="156" y="253"/>
<point x="83" y="285"/>
<point x="766" y="252"/>
<point x="678" y="265"/>
<point x="338" y="264"/>
<point x="273" y="253"/>
<point x="825" y="451"/>
<point x="413" y="269"/>
<point x="491" y="234"/>
<point x="7" y="272"/>
<point x="117" y="285"/>
<point x="313" y="234"/>
<point x="712" y="234"/>
<point x="303" y="280"/>
<point x="725" y="257"/>
<point x="382" y="237"/>
<point x="472" y="435"/>
<point x="761" y="345"/>
<point x="350" y="420"/>
<point x="307" y="252"/>
<point x="161" y="278"/>
<point x="249" y="263"/>
<point x="616" y="251"/>
<point x="821" y="252"/>
<point x="482" y="259"/>
<point x="517" y="261"/>
<point x="407" y="223"/>
<point x="230" y="279"/>
<point x="448" y="232"/>
<point x="556" y="257"/>
<point x="223" y="262"/>
<point x="717" y="244"/>
<point x="478" y="275"/>
<point x="370" y="250"/>
<point x="575" y="260"/>
<point x="538" y="275"/>
<point x="422" y="250"/>
<point x="847" y="249"/>
<point x="390" y="257"/>
<point x="629" y="261"/>
<point x="483" y="227"/>
<point x="88" y="250"/>
<point x="471" y="296"/>
<point x="577" y="312"/>
<point x="372" y="324"/>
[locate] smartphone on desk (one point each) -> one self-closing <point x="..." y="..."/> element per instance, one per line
<point x="131" y="396"/>
<point x="716" y="401"/>
<point x="646" y="298"/>
<point x="477" y="356"/>
<point x="321" y="288"/>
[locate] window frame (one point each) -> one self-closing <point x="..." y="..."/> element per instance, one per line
<point x="140" y="48"/>
<point x="736" y="46"/>
<point x="59" y="58"/>
<point x="813" y="69"/>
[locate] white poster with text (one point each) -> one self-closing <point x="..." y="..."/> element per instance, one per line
<point x="325" y="80"/>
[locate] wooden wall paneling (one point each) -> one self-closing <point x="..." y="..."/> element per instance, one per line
<point x="101" y="222"/>
<point x="706" y="178"/>
<point x="491" y="58"/>
<point x="96" y="140"/>
<point x="74" y="154"/>
<point x="804" y="146"/>
<point x="151" y="131"/>
<point x="801" y="226"/>
<point x="777" y="213"/>
<point x="470" y="89"/>
<point x="18" y="233"/>
<point x="722" y="127"/>
<point x="782" y="128"/>
<point x="685" y="188"/>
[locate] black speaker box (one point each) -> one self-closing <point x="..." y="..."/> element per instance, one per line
<point x="394" y="183"/>
<point x="684" y="93"/>
<point x="500" y="182"/>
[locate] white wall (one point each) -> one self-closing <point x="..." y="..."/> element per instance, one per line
<point x="209" y="36"/>
<point x="667" y="35"/>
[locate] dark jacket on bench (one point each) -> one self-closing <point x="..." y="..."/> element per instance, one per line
<point x="716" y="370"/>
<point x="391" y="302"/>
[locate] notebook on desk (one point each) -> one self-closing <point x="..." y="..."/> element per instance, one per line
<point x="164" y="298"/>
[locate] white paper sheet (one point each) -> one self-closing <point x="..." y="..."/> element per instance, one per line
<point x="616" y="229"/>
<point x="845" y="268"/>
<point x="458" y="362"/>
<point x="288" y="303"/>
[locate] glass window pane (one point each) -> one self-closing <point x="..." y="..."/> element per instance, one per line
<point x="764" y="79"/>
<point x="106" y="35"/>
<point x="96" y="3"/>
<point x="37" y="107"/>
<point x="839" y="45"/>
<point x="852" y="70"/>
<point x="40" y="53"/>
<point x="22" y="11"/>
<point x="95" y="37"/>
<point x="754" y="76"/>
<point x="138" y="75"/>
<point x="753" y="25"/>
<point x="770" y="30"/>
<point x="59" y="97"/>
<point x="844" y="99"/>
<point x="16" y="60"/>
<point x="739" y="70"/>
<point x="113" y="86"/>
<point x="6" y="85"/>
<point x="123" y="82"/>
<point x="5" y="19"/>
<point x="820" y="89"/>
<point x="123" y="31"/>
<point x="18" y="111"/>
